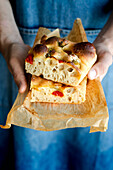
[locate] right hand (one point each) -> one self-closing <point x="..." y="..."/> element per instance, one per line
<point x="15" y="58"/>
<point x="104" y="60"/>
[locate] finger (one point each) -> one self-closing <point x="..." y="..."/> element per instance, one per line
<point x="101" y="67"/>
<point x="17" y="70"/>
<point x="22" y="85"/>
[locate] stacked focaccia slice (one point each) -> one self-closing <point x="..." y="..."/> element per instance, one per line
<point x="63" y="66"/>
<point x="43" y="90"/>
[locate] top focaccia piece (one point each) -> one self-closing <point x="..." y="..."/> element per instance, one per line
<point x="60" y="60"/>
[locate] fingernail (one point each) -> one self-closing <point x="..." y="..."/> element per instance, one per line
<point x="92" y="74"/>
<point x="22" y="88"/>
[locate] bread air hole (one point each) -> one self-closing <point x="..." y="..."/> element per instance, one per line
<point x="60" y="79"/>
<point x="34" y="70"/>
<point x="39" y="63"/>
<point x="51" y="62"/>
<point x="73" y="74"/>
<point x="70" y="69"/>
<point x="52" y="75"/>
<point x="48" y="62"/>
<point x="69" y="90"/>
<point x="54" y="70"/>
<point x="30" y="121"/>
<point x="61" y="67"/>
<point x="69" y="98"/>
<point x="80" y="95"/>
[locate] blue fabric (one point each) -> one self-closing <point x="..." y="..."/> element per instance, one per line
<point x="61" y="13"/>
<point x="69" y="149"/>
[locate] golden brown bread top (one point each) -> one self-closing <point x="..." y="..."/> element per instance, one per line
<point x="84" y="50"/>
<point x="40" y="49"/>
<point x="65" y="51"/>
<point x="51" y="41"/>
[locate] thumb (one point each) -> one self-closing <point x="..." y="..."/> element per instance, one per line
<point x="101" y="67"/>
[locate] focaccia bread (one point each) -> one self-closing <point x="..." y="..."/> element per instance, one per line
<point x="43" y="90"/>
<point x="60" y="60"/>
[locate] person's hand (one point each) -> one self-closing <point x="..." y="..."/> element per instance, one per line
<point x="15" y="58"/>
<point x="104" y="60"/>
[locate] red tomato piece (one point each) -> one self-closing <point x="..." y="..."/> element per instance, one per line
<point x="58" y="93"/>
<point x="29" y="58"/>
<point x="61" y="61"/>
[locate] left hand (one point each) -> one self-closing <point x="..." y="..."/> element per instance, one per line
<point x="15" y="55"/>
<point x="104" y="60"/>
